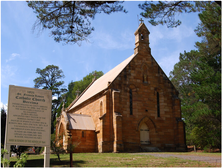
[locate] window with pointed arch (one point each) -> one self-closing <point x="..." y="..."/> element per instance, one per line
<point x="131" y="101"/>
<point x="141" y="36"/>
<point x="158" y="104"/>
<point x="101" y="108"/>
<point x="145" y="76"/>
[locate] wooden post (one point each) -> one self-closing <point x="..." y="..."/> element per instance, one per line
<point x="70" y="147"/>
<point x="47" y="157"/>
<point x="70" y="157"/>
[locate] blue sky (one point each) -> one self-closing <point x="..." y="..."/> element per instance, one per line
<point x="22" y="51"/>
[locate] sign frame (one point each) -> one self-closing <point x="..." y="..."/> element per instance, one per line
<point x="33" y="106"/>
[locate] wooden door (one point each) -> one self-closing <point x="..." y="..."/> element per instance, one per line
<point x="144" y="134"/>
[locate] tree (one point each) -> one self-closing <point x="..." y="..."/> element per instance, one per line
<point x="164" y="12"/>
<point x="70" y="21"/>
<point x="208" y="76"/>
<point x="81" y="85"/>
<point x="181" y="78"/>
<point x="50" y="79"/>
<point x="56" y="147"/>
<point x="197" y="76"/>
<point x="3" y="126"/>
<point x="78" y="86"/>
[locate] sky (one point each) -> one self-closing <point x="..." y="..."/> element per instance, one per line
<point x="112" y="41"/>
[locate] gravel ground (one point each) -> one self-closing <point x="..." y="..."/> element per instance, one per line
<point x="189" y="157"/>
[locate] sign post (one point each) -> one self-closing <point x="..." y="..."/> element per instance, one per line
<point x="29" y="119"/>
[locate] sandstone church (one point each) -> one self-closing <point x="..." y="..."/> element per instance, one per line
<point x="133" y="107"/>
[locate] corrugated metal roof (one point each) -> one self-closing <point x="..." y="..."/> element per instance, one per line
<point x="80" y="122"/>
<point x="102" y="83"/>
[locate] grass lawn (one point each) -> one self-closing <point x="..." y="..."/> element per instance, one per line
<point x="117" y="160"/>
<point x="193" y="153"/>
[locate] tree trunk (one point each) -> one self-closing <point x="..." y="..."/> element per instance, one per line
<point x="58" y="157"/>
<point x="194" y="147"/>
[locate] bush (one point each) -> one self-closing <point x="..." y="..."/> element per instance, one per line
<point x="22" y="160"/>
<point x="4" y="162"/>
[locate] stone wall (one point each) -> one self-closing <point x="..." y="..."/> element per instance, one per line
<point x="97" y="108"/>
<point x="165" y="130"/>
<point x="84" y="141"/>
<point x="117" y="129"/>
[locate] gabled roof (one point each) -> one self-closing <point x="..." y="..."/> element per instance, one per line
<point x="101" y="84"/>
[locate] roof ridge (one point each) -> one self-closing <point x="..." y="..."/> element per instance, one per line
<point x="83" y="115"/>
<point x="79" y="95"/>
<point x="110" y="76"/>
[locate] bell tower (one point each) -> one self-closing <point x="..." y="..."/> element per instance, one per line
<point x="141" y="38"/>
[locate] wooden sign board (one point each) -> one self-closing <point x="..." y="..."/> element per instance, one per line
<point x="29" y="117"/>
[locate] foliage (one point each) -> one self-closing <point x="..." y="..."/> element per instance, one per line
<point x="4" y="162"/>
<point x="3" y="126"/>
<point x="181" y="79"/>
<point x="56" y="146"/>
<point x="21" y="161"/>
<point x="165" y="12"/>
<point x="70" y="21"/>
<point x="81" y="85"/>
<point x="50" y="79"/>
<point x="197" y="76"/>
<point x="39" y="150"/>
<point x="206" y="134"/>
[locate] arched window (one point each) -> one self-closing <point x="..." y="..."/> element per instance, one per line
<point x="101" y="108"/>
<point x="158" y="104"/>
<point x="145" y="80"/>
<point x="131" y="101"/>
<point x="141" y="35"/>
<point x="145" y="73"/>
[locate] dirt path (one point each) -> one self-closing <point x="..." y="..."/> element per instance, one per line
<point x="209" y="159"/>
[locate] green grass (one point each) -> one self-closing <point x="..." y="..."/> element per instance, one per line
<point x="115" y="160"/>
<point x="193" y="153"/>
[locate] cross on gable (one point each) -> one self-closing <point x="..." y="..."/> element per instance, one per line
<point x="78" y="92"/>
<point x="95" y="75"/>
<point x="141" y="20"/>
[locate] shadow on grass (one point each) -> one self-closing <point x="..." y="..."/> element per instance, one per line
<point x="53" y="163"/>
<point x="31" y="163"/>
<point x="66" y="163"/>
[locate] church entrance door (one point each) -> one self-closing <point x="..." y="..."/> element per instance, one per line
<point x="144" y="134"/>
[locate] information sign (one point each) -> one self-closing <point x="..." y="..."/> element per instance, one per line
<point x="29" y="116"/>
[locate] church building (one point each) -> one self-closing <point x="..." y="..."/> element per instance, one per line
<point x="133" y="107"/>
